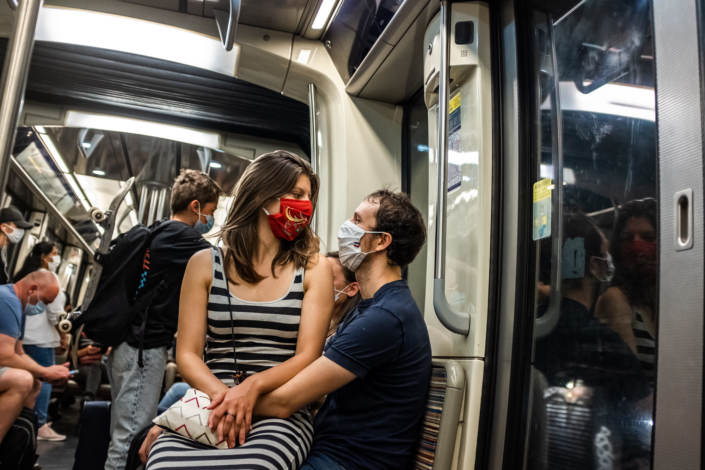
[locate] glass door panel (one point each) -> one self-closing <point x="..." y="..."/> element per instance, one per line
<point x="594" y="229"/>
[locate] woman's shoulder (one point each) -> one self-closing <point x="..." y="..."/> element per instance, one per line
<point x="318" y="266"/>
<point x="613" y="304"/>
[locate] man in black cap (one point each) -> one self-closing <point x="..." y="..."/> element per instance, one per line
<point x="12" y="228"/>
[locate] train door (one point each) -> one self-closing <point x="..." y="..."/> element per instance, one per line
<point x="599" y="111"/>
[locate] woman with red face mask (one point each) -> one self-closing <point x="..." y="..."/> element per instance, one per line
<point x="629" y="305"/>
<point x="253" y="315"/>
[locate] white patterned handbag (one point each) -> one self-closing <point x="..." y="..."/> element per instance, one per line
<point x="189" y="418"/>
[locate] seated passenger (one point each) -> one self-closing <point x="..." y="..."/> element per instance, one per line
<point x="260" y="309"/>
<point x="20" y="375"/>
<point x="135" y="390"/>
<point x="175" y="393"/>
<point x="375" y="370"/>
<point x="92" y="371"/>
<point x="347" y="292"/>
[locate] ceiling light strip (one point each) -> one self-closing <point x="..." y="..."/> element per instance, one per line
<point x="136" y="36"/>
<point x="140" y="127"/>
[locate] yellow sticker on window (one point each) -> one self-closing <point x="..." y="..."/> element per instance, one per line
<point x="542" y="209"/>
<point x="454" y="103"/>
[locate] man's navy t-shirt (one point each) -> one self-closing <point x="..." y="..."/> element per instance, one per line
<point x="12" y="318"/>
<point x="373" y="422"/>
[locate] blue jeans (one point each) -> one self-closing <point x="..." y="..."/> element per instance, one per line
<point x="174" y="394"/>
<point x="135" y="393"/>
<point x="320" y="461"/>
<point x="45" y="358"/>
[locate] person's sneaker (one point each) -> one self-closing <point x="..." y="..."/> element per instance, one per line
<point x="45" y="433"/>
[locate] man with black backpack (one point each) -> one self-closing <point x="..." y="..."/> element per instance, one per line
<point x="148" y="292"/>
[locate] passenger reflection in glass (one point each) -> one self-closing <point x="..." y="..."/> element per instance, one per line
<point x="597" y="388"/>
<point x="629" y="305"/>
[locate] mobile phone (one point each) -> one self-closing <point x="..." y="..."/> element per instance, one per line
<point x="73" y="372"/>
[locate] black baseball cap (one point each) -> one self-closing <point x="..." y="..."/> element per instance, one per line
<point x="10" y="214"/>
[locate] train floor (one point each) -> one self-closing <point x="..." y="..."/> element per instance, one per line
<point x="60" y="455"/>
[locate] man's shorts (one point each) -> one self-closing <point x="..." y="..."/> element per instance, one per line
<point x="3" y="370"/>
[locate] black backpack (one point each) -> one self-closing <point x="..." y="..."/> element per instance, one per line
<point x="18" y="450"/>
<point x="108" y="317"/>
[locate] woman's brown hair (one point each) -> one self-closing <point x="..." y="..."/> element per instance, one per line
<point x="350" y="304"/>
<point x="269" y="176"/>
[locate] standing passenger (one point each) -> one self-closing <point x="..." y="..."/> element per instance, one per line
<point x="41" y="332"/>
<point x="12" y="227"/>
<point x="261" y="308"/>
<point x="135" y="390"/>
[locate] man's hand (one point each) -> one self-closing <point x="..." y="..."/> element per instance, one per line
<point x="152" y="436"/>
<point x="56" y="375"/>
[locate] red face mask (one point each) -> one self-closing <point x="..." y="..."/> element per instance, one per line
<point x="640" y="254"/>
<point x="294" y="215"/>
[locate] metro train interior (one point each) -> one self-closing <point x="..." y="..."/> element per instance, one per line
<point x="554" y="149"/>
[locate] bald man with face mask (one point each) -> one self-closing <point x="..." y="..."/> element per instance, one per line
<point x="20" y="376"/>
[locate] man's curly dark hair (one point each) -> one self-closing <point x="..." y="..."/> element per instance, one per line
<point x="402" y="220"/>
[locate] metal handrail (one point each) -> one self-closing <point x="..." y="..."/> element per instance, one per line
<point x="227" y="23"/>
<point x="14" y="78"/>
<point x="457" y="322"/>
<point x="545" y="324"/>
<point x="313" y="119"/>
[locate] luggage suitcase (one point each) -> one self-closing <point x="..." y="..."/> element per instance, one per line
<point x="94" y="439"/>
<point x="18" y="450"/>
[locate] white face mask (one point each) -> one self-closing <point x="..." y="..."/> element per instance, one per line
<point x="338" y="292"/>
<point x="55" y="261"/>
<point x="15" y="235"/>
<point x="349" y="251"/>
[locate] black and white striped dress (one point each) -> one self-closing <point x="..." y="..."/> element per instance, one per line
<point x="645" y="344"/>
<point x="265" y="336"/>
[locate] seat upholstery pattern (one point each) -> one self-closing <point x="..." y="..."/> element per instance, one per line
<point x="424" y="452"/>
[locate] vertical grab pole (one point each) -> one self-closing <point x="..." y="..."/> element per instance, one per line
<point x="457" y="322"/>
<point x="14" y="79"/>
<point x="313" y="119"/>
<point x="545" y="324"/>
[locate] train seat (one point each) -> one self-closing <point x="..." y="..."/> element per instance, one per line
<point x="436" y="443"/>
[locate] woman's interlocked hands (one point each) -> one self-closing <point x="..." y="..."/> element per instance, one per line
<point x="231" y="412"/>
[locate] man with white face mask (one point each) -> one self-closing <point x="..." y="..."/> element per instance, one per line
<point x="376" y="369"/>
<point x="12" y="230"/>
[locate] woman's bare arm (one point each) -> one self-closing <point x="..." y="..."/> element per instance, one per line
<point x="193" y="321"/>
<point x="613" y="309"/>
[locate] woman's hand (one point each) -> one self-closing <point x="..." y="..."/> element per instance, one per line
<point x="231" y="412"/>
<point x="152" y="436"/>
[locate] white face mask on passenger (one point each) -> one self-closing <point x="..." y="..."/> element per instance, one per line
<point x="349" y="250"/>
<point x="339" y="292"/>
<point x="609" y="271"/>
<point x="55" y="261"/>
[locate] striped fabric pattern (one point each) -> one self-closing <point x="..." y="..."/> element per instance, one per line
<point x="425" y="449"/>
<point x="265" y="336"/>
<point x="645" y="344"/>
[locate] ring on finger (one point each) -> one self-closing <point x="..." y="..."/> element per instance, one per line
<point x="229" y="414"/>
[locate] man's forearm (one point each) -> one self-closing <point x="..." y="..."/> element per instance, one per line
<point x="274" y="405"/>
<point x="24" y="362"/>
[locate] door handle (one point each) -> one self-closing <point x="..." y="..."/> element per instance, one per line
<point x="684" y="219"/>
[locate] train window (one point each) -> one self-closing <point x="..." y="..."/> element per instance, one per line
<point x="417" y="177"/>
<point x="594" y="229"/>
